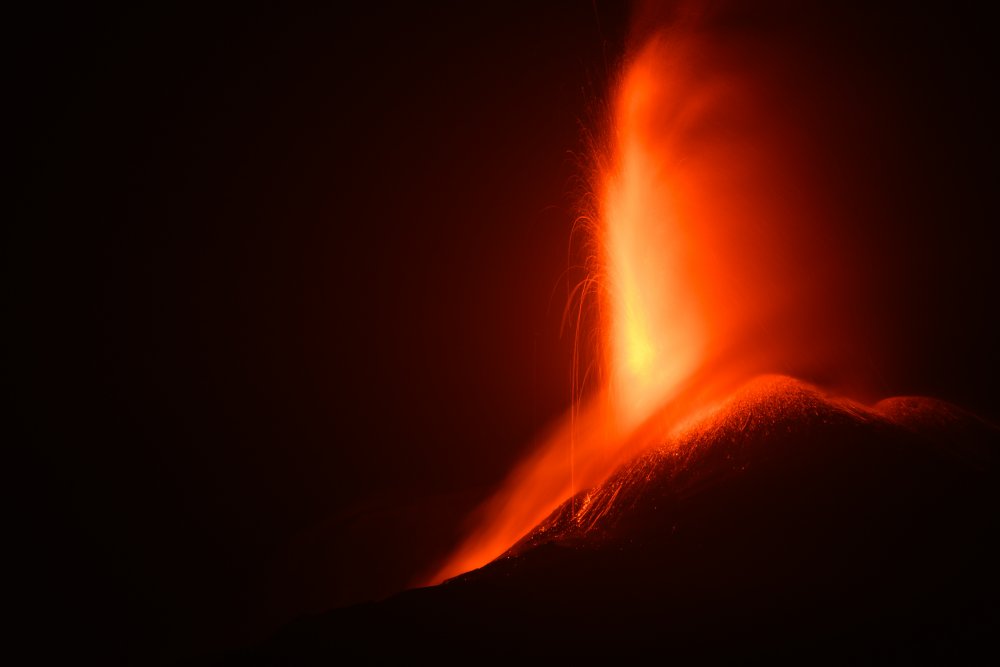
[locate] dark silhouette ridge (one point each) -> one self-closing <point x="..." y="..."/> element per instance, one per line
<point x="785" y="524"/>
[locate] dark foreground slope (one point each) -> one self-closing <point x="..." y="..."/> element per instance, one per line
<point x="787" y="524"/>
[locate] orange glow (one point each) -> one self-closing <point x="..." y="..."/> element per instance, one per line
<point x="654" y="330"/>
<point x="717" y="263"/>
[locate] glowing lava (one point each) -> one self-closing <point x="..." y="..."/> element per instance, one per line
<point x="654" y="331"/>
<point x="717" y="261"/>
<point x="652" y="336"/>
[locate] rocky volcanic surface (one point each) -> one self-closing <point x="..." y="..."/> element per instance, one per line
<point x="786" y="524"/>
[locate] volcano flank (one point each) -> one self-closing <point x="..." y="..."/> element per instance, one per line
<point x="782" y="523"/>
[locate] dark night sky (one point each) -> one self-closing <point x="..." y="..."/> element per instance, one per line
<point x="293" y="282"/>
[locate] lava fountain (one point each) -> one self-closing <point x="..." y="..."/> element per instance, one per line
<point x="716" y="258"/>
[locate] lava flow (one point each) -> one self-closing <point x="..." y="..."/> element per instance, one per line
<point x="715" y="260"/>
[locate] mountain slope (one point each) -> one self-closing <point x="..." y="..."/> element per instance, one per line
<point x="786" y="523"/>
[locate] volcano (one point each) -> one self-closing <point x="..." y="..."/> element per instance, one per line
<point x="782" y="523"/>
